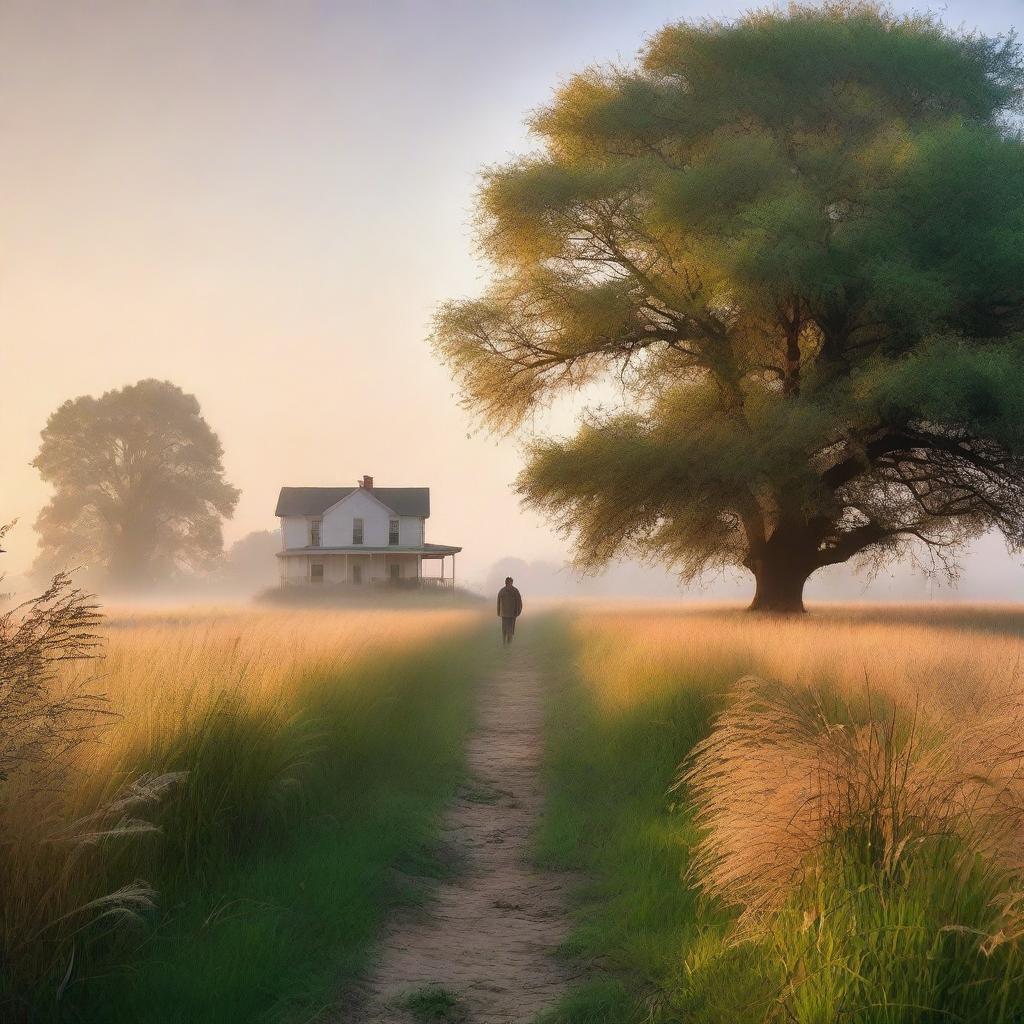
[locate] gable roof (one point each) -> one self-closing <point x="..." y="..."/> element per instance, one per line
<point x="314" y="501"/>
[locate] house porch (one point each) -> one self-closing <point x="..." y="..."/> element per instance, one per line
<point x="368" y="567"/>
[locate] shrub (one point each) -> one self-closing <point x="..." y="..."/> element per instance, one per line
<point x="56" y="889"/>
<point x="873" y="846"/>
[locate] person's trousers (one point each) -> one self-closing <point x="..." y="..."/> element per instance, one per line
<point x="508" y="628"/>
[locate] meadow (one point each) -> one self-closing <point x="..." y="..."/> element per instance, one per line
<point x="808" y="819"/>
<point x="219" y="839"/>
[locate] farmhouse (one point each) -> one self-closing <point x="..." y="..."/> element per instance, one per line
<point x="357" y="536"/>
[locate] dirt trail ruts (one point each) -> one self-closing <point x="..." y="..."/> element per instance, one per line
<point x="488" y="935"/>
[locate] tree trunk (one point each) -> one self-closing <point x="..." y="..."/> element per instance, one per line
<point x="130" y="558"/>
<point x="785" y="564"/>
<point x="780" y="588"/>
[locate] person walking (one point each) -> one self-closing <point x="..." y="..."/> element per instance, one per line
<point x="510" y="607"/>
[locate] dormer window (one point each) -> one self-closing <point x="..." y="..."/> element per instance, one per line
<point x="357" y="531"/>
<point x="393" y="531"/>
<point x="314" y="533"/>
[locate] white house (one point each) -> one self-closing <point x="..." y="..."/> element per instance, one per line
<point x="359" y="535"/>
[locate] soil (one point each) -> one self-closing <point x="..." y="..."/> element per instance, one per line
<point x="484" y="949"/>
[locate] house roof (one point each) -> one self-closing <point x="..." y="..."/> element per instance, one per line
<point x="313" y="501"/>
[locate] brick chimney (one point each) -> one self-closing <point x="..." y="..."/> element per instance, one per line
<point x="366" y="482"/>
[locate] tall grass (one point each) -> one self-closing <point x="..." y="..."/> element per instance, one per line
<point x="849" y="819"/>
<point x="228" y="740"/>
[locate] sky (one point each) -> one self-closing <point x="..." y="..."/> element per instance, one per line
<point x="263" y="202"/>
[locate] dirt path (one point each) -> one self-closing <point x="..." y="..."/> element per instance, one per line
<point x="485" y="946"/>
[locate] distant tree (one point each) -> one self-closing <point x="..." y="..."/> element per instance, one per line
<point x="139" y="486"/>
<point x="798" y="242"/>
<point x="536" y="578"/>
<point x="251" y="563"/>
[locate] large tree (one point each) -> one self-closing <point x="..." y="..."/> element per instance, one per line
<point x="139" y="486"/>
<point x="797" y="241"/>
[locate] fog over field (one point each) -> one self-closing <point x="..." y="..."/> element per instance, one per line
<point x="989" y="573"/>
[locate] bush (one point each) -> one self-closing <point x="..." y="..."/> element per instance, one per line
<point x="872" y="849"/>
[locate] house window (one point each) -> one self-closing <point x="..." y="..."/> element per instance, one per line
<point x="316" y="572"/>
<point x="396" y="571"/>
<point x="357" y="531"/>
<point x="393" y="531"/>
<point x="314" y="534"/>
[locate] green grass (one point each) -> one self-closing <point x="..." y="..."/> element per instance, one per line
<point x="275" y="881"/>
<point x="435" y="1004"/>
<point x="610" y="817"/>
<point x="856" y="942"/>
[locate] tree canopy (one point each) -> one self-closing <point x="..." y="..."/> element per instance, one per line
<point x="139" y="485"/>
<point x="250" y="563"/>
<point x="796" y="241"/>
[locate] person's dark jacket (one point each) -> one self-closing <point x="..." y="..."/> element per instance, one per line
<point x="510" y="602"/>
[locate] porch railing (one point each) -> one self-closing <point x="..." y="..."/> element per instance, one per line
<point x="413" y="583"/>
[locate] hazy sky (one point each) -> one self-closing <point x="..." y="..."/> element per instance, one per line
<point x="263" y="202"/>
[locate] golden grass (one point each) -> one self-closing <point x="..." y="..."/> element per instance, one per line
<point x="901" y="723"/>
<point x="205" y="704"/>
<point x="174" y="662"/>
<point x="857" y="797"/>
<point x="942" y="654"/>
